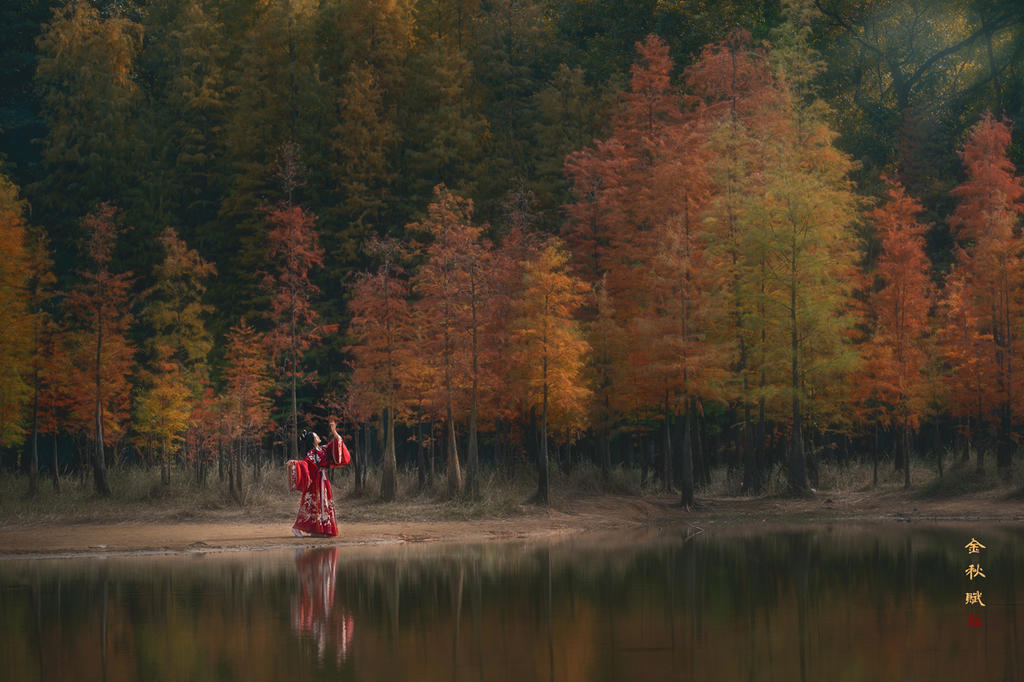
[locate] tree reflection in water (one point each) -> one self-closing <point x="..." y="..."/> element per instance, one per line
<point x="314" y="616"/>
<point x="878" y="602"/>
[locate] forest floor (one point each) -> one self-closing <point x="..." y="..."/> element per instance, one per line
<point x="264" y="521"/>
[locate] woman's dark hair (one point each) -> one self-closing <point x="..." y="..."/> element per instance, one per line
<point x="307" y="441"/>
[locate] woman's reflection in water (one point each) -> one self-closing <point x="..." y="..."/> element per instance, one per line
<point x="313" y="614"/>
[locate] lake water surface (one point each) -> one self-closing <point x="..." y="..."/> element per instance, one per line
<point x="832" y="603"/>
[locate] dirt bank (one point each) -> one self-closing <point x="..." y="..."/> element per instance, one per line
<point x="215" y="532"/>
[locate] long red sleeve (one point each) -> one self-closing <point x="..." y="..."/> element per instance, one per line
<point x="337" y="453"/>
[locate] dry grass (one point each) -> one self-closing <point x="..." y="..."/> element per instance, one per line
<point x="138" y="494"/>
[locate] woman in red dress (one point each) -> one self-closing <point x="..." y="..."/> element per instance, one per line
<point x="316" y="511"/>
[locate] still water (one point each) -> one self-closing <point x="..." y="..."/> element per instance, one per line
<point x="830" y="603"/>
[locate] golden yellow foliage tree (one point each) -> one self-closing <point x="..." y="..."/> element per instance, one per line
<point x="550" y="350"/>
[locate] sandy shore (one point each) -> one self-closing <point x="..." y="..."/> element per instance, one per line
<point x="591" y="514"/>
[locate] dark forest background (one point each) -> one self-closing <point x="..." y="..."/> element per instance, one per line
<point x="200" y="115"/>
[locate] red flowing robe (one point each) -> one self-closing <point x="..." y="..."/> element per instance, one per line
<point x="316" y="510"/>
<point x="314" y="615"/>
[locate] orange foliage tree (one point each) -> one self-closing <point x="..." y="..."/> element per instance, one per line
<point x="649" y="112"/>
<point x="16" y="352"/>
<point x="899" y="306"/>
<point x="549" y="353"/>
<point x="591" y="220"/>
<point x="44" y="348"/>
<point x="685" y="356"/>
<point x="294" y="250"/>
<point x="508" y="259"/>
<point x="963" y="346"/>
<point x="246" y="399"/>
<point x="612" y="232"/>
<point x="449" y="289"/>
<point x="380" y="331"/>
<point x="100" y="305"/>
<point x="991" y="262"/>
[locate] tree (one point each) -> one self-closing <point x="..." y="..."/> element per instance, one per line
<point x="380" y="330"/>
<point x="85" y="75"/>
<point x="360" y="163"/>
<point x="39" y="294"/>
<point x="163" y="409"/>
<point x="101" y="307"/>
<point x="801" y="224"/>
<point x="906" y="79"/>
<point x="247" y="404"/>
<point x="569" y="115"/>
<point x="992" y="263"/>
<point x="275" y="130"/>
<point x="184" y="119"/>
<point x="293" y="251"/>
<point x="444" y="134"/>
<point x="649" y="110"/>
<point x="17" y="343"/>
<point x="174" y="309"/>
<point x="733" y="83"/>
<point x="449" y="285"/>
<point x="686" y="360"/>
<point x="56" y="400"/>
<point x="178" y="346"/>
<point x="508" y="259"/>
<point x="900" y="308"/>
<point x="549" y="350"/>
<point x="608" y="344"/>
<point x="965" y="349"/>
<point x="594" y="216"/>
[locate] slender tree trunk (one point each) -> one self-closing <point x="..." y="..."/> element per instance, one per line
<point x="666" y="463"/>
<point x="874" y="457"/>
<point x="797" y="472"/>
<point x="231" y="469"/>
<point x="761" y="449"/>
<point x="33" y="465"/>
<point x="898" y="462"/>
<point x="454" y="475"/>
<point x="965" y="440"/>
<point x="701" y="450"/>
<point x="630" y="444"/>
<point x="646" y="458"/>
<point x="421" y="456"/>
<point x="604" y="445"/>
<point x="906" y="456"/>
<point x="542" y="457"/>
<point x="220" y="460"/>
<point x="472" y="454"/>
<point x="389" y="474"/>
<point x="238" y="469"/>
<point x="1004" y="453"/>
<point x="432" y="455"/>
<point x="686" y="499"/>
<point x="55" y="470"/>
<point x="165" y="473"/>
<point x="454" y="471"/>
<point x="99" y="461"/>
<point x="750" y="468"/>
<point x="293" y="445"/>
<point x="357" y="457"/>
